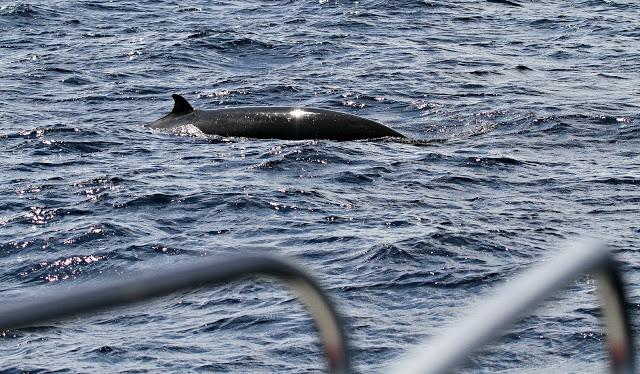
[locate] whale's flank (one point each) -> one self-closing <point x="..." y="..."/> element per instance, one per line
<point x="289" y="123"/>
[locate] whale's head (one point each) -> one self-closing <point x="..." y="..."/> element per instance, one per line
<point x="181" y="108"/>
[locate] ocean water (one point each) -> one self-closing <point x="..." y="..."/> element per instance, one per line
<point x="525" y="125"/>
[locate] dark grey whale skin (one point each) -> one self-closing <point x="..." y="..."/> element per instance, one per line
<point x="288" y="123"/>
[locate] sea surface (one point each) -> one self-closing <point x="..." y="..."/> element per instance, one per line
<point x="524" y="124"/>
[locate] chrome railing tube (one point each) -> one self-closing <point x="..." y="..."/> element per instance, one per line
<point x="447" y="351"/>
<point x="66" y="303"/>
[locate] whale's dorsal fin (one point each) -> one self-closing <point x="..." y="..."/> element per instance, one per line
<point x="181" y="105"/>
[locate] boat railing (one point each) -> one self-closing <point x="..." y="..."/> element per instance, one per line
<point x="452" y="347"/>
<point x="206" y="272"/>
<point x="442" y="353"/>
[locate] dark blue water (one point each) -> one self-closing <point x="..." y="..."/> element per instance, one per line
<point x="526" y="123"/>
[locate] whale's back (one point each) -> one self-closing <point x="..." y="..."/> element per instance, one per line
<point x="289" y="123"/>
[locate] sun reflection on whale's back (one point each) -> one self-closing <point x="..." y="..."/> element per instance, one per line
<point x="299" y="113"/>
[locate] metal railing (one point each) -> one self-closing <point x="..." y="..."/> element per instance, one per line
<point x="15" y="314"/>
<point x="450" y="349"/>
<point x="441" y="354"/>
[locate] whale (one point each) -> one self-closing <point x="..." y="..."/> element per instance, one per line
<point x="265" y="122"/>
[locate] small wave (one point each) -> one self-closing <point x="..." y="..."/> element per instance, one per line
<point x="466" y="19"/>
<point x="279" y="89"/>
<point x="447" y="280"/>
<point x="353" y="104"/>
<point x="289" y="157"/>
<point x="106" y="349"/>
<point x="335" y="219"/>
<point x="387" y="252"/>
<point x="94" y="35"/>
<point x="58" y="70"/>
<point x="79" y="147"/>
<point x="198" y="34"/>
<point x="482" y="73"/>
<point x="108" y="6"/>
<point x="98" y="181"/>
<point x="96" y="98"/>
<point x="26" y="245"/>
<point x="44" y="215"/>
<point x="547" y="21"/>
<point x="93" y="233"/>
<point x="457" y="179"/>
<point x="629" y="133"/>
<point x="40" y="132"/>
<point x="611" y="76"/>
<point x="617" y="180"/>
<point x="426" y="105"/>
<point x="19" y="10"/>
<point x="232" y="45"/>
<point x="556" y="128"/>
<point x="421" y="142"/>
<point x="616" y="212"/>
<point x="580" y="123"/>
<point x="47" y="165"/>
<point x="76" y="81"/>
<point x="154" y="250"/>
<point x="477" y="128"/>
<point x="238" y="322"/>
<point x="352" y="177"/>
<point x="271" y="164"/>
<point x="492" y="161"/>
<point x="607" y="119"/>
<point x="60" y="269"/>
<point x="475" y="94"/>
<point x="153" y="199"/>
<point x="357" y="100"/>
<point x="472" y="86"/>
<point x="189" y="9"/>
<point x="505" y="2"/>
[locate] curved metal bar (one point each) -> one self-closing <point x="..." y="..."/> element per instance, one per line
<point x="617" y="318"/>
<point x="444" y="353"/>
<point x="161" y="282"/>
